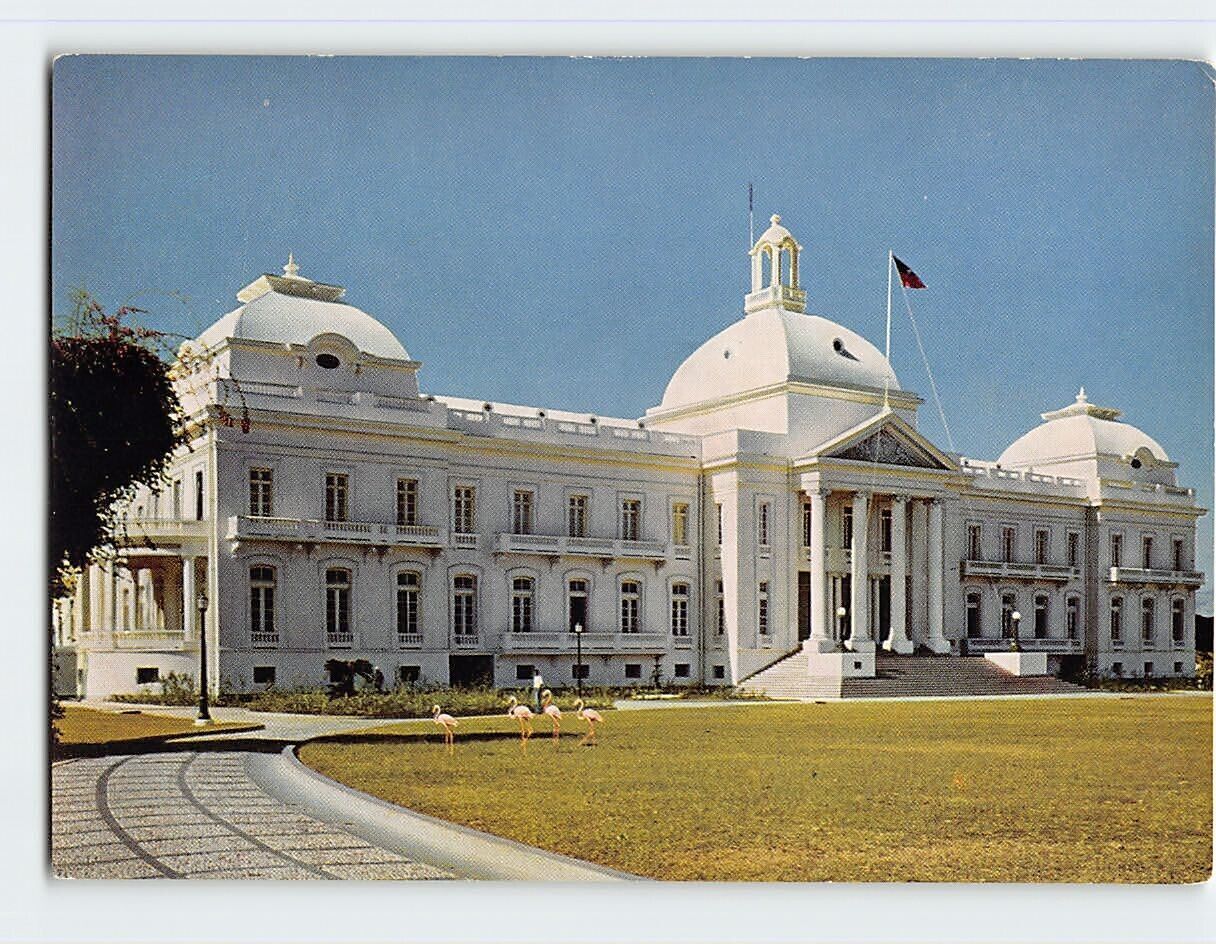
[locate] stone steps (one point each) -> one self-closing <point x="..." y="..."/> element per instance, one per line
<point x="903" y="676"/>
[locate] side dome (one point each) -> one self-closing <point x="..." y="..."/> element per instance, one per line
<point x="775" y="346"/>
<point x="1083" y="431"/>
<point x="290" y="309"/>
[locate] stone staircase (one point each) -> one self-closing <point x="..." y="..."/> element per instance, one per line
<point x="900" y="676"/>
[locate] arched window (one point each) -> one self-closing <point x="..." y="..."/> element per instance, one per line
<point x="1008" y="606"/>
<point x="631" y="606"/>
<point x="1040" y="616"/>
<point x="337" y="606"/>
<point x="576" y="603"/>
<point x="261" y="605"/>
<point x="522" y="594"/>
<point x="679" y="609"/>
<point x="975" y="627"/>
<point x="1178" y="621"/>
<point x="464" y="606"/>
<point x="1148" y="619"/>
<point x="1116" y="619"/>
<point x="409" y="586"/>
<point x="1073" y="627"/>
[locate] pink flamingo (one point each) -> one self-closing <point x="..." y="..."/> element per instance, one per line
<point x="522" y="714"/>
<point x="448" y="723"/>
<point x="592" y="717"/>
<point x="553" y="713"/>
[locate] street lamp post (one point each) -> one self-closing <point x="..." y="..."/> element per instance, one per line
<point x="578" y="672"/>
<point x="841" y="616"/>
<point x="204" y="709"/>
<point x="1016" y="618"/>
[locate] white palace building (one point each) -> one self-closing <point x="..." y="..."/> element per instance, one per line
<point x="778" y="512"/>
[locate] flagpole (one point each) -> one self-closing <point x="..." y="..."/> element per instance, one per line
<point x="751" y="225"/>
<point x="886" y="384"/>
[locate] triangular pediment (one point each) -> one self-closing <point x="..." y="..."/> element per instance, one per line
<point x="886" y="440"/>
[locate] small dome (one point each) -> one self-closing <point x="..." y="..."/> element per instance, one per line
<point x="778" y="346"/>
<point x="290" y="309"/>
<point x="776" y="234"/>
<point x="1082" y="431"/>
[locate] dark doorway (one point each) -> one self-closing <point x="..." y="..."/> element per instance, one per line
<point x="804" y="604"/>
<point x="468" y="671"/>
<point x="844" y="627"/>
<point x="884" y="608"/>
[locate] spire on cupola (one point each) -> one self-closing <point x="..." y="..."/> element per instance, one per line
<point x="291" y="270"/>
<point x="775" y="271"/>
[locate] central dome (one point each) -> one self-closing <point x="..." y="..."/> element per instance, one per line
<point x="777" y="346"/>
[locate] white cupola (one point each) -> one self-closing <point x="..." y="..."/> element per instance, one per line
<point x="775" y="271"/>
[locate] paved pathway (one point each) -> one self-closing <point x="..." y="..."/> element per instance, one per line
<point x="198" y="815"/>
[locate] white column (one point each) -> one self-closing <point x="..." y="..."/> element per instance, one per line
<point x="188" y="595"/>
<point x="859" y="604"/>
<point x="936" y="641"/>
<point x="898" y="640"/>
<point x="821" y="636"/>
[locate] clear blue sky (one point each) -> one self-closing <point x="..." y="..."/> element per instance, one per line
<point x="564" y="232"/>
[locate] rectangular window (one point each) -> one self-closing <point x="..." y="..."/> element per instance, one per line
<point x="1116" y="620"/>
<point x="576" y="516"/>
<point x="1148" y="670"/>
<point x="1074" y="549"/>
<point x="721" y="609"/>
<point x="1146" y="556"/>
<point x="631" y="595"/>
<point x="146" y="675"/>
<point x="1074" y="618"/>
<point x="1179" y="554"/>
<point x="631" y="519"/>
<point x="1148" y="621"/>
<point x="974" y="627"/>
<point x="177" y="498"/>
<point x="1040" y="617"/>
<point x="263" y="675"/>
<point x="1178" y="621"/>
<point x="974" y="545"/>
<point x="679" y="523"/>
<point x="198" y="496"/>
<point x="1116" y="550"/>
<point x="1008" y="607"/>
<point x="1177" y="668"/>
<point x="407" y="502"/>
<point x="521" y="512"/>
<point x="806" y="524"/>
<point x="337" y="491"/>
<point x="718" y="508"/>
<point x="679" y="609"/>
<point x="464" y="606"/>
<point x="1009" y="537"/>
<point x="409" y="674"/>
<point x="464" y="509"/>
<point x="719" y="671"/>
<point x="524" y="673"/>
<point x="580" y="671"/>
<point x="884" y="530"/>
<point x="409" y="585"/>
<point x="261" y="605"/>
<point x="1116" y="668"/>
<point x="1042" y="538"/>
<point x="762" y="609"/>
<point x="261" y="493"/>
<point x="762" y="524"/>
<point x="633" y="670"/>
<point x="523" y="591"/>
<point x="683" y="670"/>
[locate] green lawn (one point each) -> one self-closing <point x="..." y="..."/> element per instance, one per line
<point x="1066" y="790"/>
<point x="87" y="726"/>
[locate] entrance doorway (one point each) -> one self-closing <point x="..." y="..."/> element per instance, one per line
<point x="468" y="671"/>
<point x="804" y="605"/>
<point x="882" y="596"/>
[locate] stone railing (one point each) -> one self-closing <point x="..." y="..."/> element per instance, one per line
<point x="560" y="544"/>
<point x="409" y="640"/>
<point x="149" y="639"/>
<point x="248" y="527"/>
<point x="1026" y="644"/>
<point x="1013" y="570"/>
<point x="567" y="642"/>
<point x="1143" y="575"/>
<point x="263" y="640"/>
<point x="339" y="640"/>
<point x="135" y="529"/>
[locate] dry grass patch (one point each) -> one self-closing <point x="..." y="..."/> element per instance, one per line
<point x="80" y="726"/>
<point x="1065" y="790"/>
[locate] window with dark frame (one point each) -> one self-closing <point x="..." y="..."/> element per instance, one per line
<point x="407" y="502"/>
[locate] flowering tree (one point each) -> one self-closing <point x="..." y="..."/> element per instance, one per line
<point x="114" y="422"/>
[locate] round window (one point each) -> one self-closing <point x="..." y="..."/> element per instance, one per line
<point x="328" y="361"/>
<point x="837" y="345"/>
<point x="1136" y="463"/>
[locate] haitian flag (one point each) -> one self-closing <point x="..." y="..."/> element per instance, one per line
<point x="907" y="277"/>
